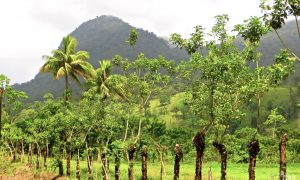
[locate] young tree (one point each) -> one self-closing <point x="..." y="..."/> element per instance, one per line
<point x="191" y="45"/>
<point x="66" y="62"/>
<point x="275" y="120"/>
<point x="266" y="77"/>
<point x="145" y="78"/>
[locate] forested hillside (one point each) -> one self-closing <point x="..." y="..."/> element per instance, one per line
<point x="105" y="36"/>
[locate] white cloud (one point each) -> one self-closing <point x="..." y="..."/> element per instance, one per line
<point x="32" y="28"/>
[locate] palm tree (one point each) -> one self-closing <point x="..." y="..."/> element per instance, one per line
<point x="66" y="62"/>
<point x="106" y="84"/>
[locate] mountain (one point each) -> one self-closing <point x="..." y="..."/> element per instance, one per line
<point x="105" y="36"/>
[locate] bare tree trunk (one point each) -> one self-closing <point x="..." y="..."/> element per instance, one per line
<point x="22" y="150"/>
<point x="131" y="152"/>
<point x="199" y="142"/>
<point x="117" y="167"/>
<point x="162" y="164"/>
<point x="144" y="155"/>
<point x="60" y="168"/>
<point x="90" y="165"/>
<point x="126" y="129"/>
<point x="222" y="151"/>
<point x="78" y="165"/>
<point x="178" y="157"/>
<point x="161" y="172"/>
<point x="60" y="157"/>
<point x="45" y="156"/>
<point x="14" y="150"/>
<point x="19" y="150"/>
<point x="104" y="166"/>
<point x="253" y="149"/>
<point x="38" y="165"/>
<point x="209" y="174"/>
<point x="69" y="155"/>
<point x="282" y="148"/>
<point x="30" y="154"/>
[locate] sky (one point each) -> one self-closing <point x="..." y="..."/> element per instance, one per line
<point x="33" y="28"/>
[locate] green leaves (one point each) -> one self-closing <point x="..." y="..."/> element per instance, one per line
<point x="252" y="29"/>
<point x="133" y="37"/>
<point x="192" y="44"/>
<point x="274" y="118"/>
<point x="219" y="29"/>
<point x="66" y="62"/>
<point x="283" y="66"/>
<point x="276" y="12"/>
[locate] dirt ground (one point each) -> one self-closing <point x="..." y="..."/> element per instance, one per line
<point x="26" y="173"/>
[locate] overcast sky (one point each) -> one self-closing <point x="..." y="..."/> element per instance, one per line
<point x="33" y="28"/>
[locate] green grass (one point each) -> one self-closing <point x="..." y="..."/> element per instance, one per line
<point x="234" y="171"/>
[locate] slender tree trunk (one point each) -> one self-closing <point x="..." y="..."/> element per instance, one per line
<point x="161" y="172"/>
<point x="144" y="154"/>
<point x="104" y="166"/>
<point x="222" y="151"/>
<point x="258" y="98"/>
<point x="126" y="129"/>
<point x="45" y="156"/>
<point x="60" y="156"/>
<point x="66" y="94"/>
<point x="30" y="154"/>
<point x="258" y="112"/>
<point x="69" y="156"/>
<point x="38" y="164"/>
<point x="131" y="152"/>
<point x="298" y="27"/>
<point x="14" y="155"/>
<point x="282" y="148"/>
<point x="253" y="149"/>
<point x="178" y="157"/>
<point x="22" y="149"/>
<point x="60" y="167"/>
<point x="90" y="165"/>
<point x="78" y="165"/>
<point x="141" y="112"/>
<point x="199" y="142"/>
<point x="162" y="165"/>
<point x="285" y="45"/>
<point x="117" y="166"/>
<point x="209" y="174"/>
<point x="19" y="150"/>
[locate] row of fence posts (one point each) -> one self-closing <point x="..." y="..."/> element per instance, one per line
<point x="253" y="149"/>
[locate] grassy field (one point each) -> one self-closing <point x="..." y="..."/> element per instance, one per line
<point x="234" y="171"/>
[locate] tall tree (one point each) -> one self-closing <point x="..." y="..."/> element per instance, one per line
<point x="67" y="62"/>
<point x="192" y="45"/>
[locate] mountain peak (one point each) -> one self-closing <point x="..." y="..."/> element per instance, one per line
<point x="103" y="37"/>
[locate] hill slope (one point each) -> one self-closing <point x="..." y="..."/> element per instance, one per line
<point x="105" y="36"/>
